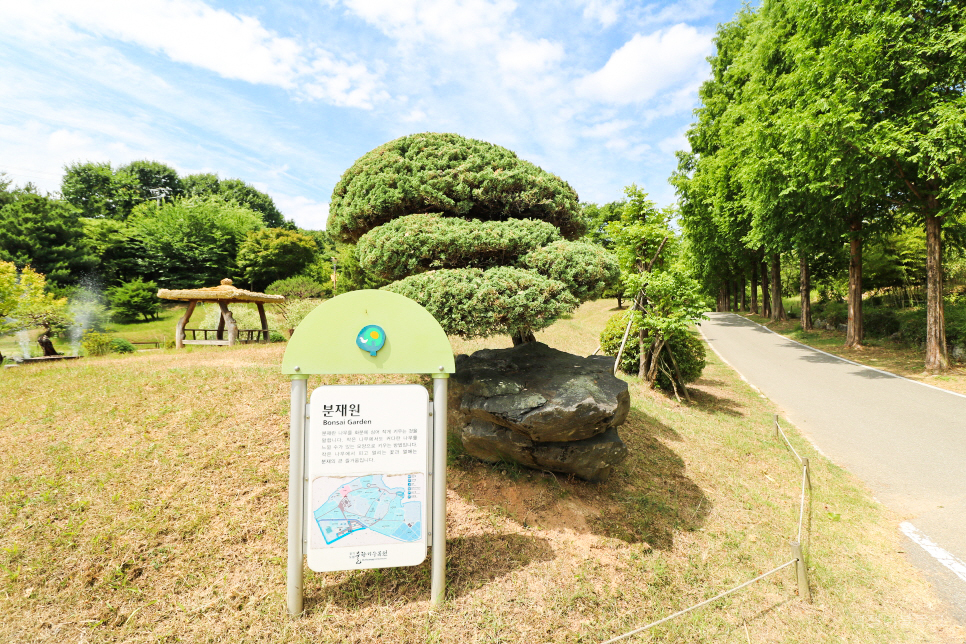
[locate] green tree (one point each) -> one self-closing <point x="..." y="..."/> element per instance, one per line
<point x="200" y="185"/>
<point x="45" y="234"/>
<point x="481" y="238"/>
<point x="25" y="302"/>
<point x="154" y="180"/>
<point x="133" y="299"/>
<point x="190" y="242"/>
<point x="272" y="254"/>
<point x="110" y="242"/>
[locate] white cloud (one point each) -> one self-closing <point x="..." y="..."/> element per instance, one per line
<point x="305" y="212"/>
<point x="606" y="12"/>
<point x="648" y="65"/>
<point x="608" y="129"/>
<point x="451" y="24"/>
<point x="233" y="46"/>
<point x="521" y="56"/>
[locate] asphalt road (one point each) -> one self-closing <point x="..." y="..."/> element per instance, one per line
<point x="904" y="439"/>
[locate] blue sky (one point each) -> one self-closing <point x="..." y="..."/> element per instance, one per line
<point x="287" y="94"/>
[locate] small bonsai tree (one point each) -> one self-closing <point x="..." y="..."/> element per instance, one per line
<point x="475" y="234"/>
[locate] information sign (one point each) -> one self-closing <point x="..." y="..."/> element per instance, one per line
<point x="367" y="473"/>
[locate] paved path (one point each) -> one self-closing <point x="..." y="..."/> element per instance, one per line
<point x="905" y="440"/>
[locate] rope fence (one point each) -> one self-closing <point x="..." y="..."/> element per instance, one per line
<point x="795" y="548"/>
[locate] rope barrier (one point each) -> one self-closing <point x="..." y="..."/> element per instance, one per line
<point x="798" y="560"/>
<point x="704" y="603"/>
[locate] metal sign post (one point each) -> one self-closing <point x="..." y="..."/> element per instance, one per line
<point x="367" y="463"/>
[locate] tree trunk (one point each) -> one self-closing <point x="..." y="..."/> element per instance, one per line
<point x="620" y="301"/>
<point x="936" y="357"/>
<point x="805" y="291"/>
<point x="777" y="308"/>
<point x="728" y="296"/>
<point x="741" y="289"/>
<point x="737" y="307"/>
<point x="523" y="336"/>
<point x="722" y="299"/>
<point x="765" y="298"/>
<point x="854" y="332"/>
<point x="754" y="290"/>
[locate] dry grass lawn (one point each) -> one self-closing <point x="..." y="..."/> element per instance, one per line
<point x="144" y="500"/>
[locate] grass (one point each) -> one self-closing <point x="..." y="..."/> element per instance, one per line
<point x="144" y="500"/>
<point x="881" y="353"/>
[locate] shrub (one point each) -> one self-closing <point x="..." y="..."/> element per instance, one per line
<point x="120" y="345"/>
<point x="133" y="299"/>
<point x="298" y="287"/>
<point x="879" y="322"/>
<point x="96" y="344"/>
<point x="835" y="313"/>
<point x="688" y="350"/>
<point x="275" y="336"/>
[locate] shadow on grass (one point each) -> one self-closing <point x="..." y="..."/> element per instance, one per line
<point x="649" y="498"/>
<point x="705" y="401"/>
<point x="471" y="562"/>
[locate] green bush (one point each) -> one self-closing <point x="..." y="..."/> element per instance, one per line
<point x="834" y="313"/>
<point x="879" y="322"/>
<point x="613" y="333"/>
<point x="96" y="344"/>
<point x="688" y="350"/>
<point x="470" y="302"/>
<point x="133" y="299"/>
<point x="587" y="269"/>
<point x="451" y="175"/>
<point x="275" y="336"/>
<point x="120" y="345"/>
<point x="299" y="287"/>
<point x="422" y="242"/>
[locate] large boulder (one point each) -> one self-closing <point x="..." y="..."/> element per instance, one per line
<point x="540" y="407"/>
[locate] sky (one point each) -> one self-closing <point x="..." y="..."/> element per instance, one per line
<point x="286" y="95"/>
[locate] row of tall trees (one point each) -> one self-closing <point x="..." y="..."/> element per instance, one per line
<point x="828" y="122"/>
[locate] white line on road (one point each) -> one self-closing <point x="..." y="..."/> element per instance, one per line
<point x="942" y="556"/>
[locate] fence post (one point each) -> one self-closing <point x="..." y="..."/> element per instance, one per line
<point x="777" y="435"/>
<point x="801" y="570"/>
<point x="808" y="473"/>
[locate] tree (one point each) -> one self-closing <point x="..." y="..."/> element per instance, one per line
<point x="45" y="234"/>
<point x="481" y="238"/>
<point x="190" y="242"/>
<point x="154" y="180"/>
<point x="110" y="242"/>
<point x="272" y="254"/>
<point x="25" y="302"/>
<point x="133" y="299"/>
<point x="201" y="185"/>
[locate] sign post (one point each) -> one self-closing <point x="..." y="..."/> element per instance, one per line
<point x="367" y="463"/>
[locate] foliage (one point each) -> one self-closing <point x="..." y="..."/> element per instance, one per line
<point x="596" y="220"/>
<point x="270" y="254"/>
<point x="275" y="336"/>
<point x="133" y="299"/>
<point x="294" y="311"/>
<point x="46" y="235"/>
<point x="298" y="287"/>
<point x="586" y="269"/>
<point x="87" y="310"/>
<point x="471" y="302"/>
<point x="190" y="242"/>
<point x="120" y="345"/>
<point x="96" y="344"/>
<point x="153" y="179"/>
<point x="110" y="242"/>
<point x="688" y="350"/>
<point x="880" y="322"/>
<point x="25" y="302"/>
<point x="451" y="175"/>
<point x="417" y="243"/>
<point x="97" y="192"/>
<point x="613" y="334"/>
<point x="203" y="185"/>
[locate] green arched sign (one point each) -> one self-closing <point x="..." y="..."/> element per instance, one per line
<point x="328" y="339"/>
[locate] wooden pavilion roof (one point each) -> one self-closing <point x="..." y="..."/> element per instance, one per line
<point x="224" y="292"/>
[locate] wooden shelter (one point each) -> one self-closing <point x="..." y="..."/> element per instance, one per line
<point x="222" y="295"/>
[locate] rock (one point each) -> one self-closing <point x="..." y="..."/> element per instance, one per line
<point x="592" y="459"/>
<point x="545" y="394"/>
<point x="541" y="408"/>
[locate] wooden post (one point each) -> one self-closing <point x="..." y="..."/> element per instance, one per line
<point x="261" y="316"/>
<point x="230" y="323"/>
<point x="801" y="571"/>
<point x="220" y="334"/>
<point x="182" y="323"/>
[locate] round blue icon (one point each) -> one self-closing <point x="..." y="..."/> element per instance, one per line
<point x="371" y="338"/>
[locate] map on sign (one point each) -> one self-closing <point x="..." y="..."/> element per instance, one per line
<point x="368" y="510"/>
